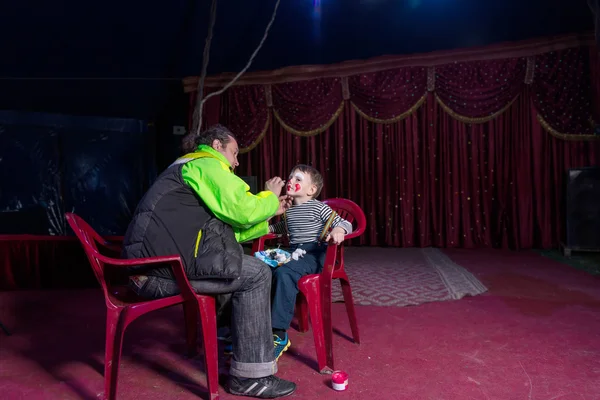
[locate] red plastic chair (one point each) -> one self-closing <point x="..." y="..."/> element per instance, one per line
<point x="314" y="298"/>
<point x="124" y="306"/>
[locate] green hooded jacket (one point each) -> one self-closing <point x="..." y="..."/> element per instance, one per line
<point x="228" y="197"/>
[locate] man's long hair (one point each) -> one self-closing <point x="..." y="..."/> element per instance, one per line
<point x="191" y="141"/>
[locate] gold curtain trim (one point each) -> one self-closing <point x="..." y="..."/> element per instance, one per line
<point x="530" y="70"/>
<point x="260" y="137"/>
<point x="345" y="88"/>
<point x="397" y="118"/>
<point x="312" y="132"/>
<point x="564" y="136"/>
<point x="268" y="95"/>
<point x="477" y="120"/>
<point x="431" y="79"/>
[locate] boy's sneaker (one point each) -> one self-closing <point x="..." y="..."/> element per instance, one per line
<point x="281" y="344"/>
<point x="269" y="387"/>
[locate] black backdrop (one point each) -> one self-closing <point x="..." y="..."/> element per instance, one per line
<point x="50" y="164"/>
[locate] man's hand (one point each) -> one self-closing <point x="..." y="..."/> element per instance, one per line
<point x="336" y="235"/>
<point x="285" y="202"/>
<point x="275" y="185"/>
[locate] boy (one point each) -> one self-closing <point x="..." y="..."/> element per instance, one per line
<point x="307" y="223"/>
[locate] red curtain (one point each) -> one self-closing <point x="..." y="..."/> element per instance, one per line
<point x="595" y="80"/>
<point x="463" y="154"/>
<point x="431" y="180"/>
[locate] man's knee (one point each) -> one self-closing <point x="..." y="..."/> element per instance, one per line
<point x="256" y="270"/>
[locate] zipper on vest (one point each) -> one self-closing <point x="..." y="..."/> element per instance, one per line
<point x="198" y="243"/>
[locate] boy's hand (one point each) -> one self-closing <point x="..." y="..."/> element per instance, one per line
<point x="336" y="235"/>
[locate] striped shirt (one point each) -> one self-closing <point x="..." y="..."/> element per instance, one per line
<point x="306" y="222"/>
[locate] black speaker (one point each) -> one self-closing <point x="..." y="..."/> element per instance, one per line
<point x="252" y="182"/>
<point x="583" y="210"/>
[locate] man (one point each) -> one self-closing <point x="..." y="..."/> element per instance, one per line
<point x="198" y="208"/>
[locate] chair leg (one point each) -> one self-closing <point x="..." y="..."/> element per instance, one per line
<point x="208" y="321"/>
<point x="327" y="325"/>
<point x="115" y="330"/>
<point x="302" y="312"/>
<point x="349" y="302"/>
<point x="314" y="307"/>
<point x="190" y="314"/>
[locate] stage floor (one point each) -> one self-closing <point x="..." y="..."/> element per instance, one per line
<point x="534" y="335"/>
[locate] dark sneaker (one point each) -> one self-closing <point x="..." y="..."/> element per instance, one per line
<point x="281" y="344"/>
<point x="269" y="387"/>
<point x="224" y="335"/>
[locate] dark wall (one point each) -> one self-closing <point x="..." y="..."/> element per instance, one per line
<point x="130" y="39"/>
<point x="161" y="102"/>
<point x="52" y="163"/>
<point x="126" y="59"/>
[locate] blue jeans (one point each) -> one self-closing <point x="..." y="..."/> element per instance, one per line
<point x="252" y="338"/>
<point x="285" y="282"/>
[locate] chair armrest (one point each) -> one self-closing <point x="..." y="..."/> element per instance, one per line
<point x="259" y="244"/>
<point x="173" y="261"/>
<point x="352" y="235"/>
<point x="270" y="236"/>
<point x="132" y="262"/>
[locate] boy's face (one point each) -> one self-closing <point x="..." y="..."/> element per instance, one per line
<point x="300" y="185"/>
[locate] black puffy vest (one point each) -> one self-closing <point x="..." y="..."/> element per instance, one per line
<point x="172" y="220"/>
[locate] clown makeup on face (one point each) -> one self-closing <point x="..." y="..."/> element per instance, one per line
<point x="296" y="182"/>
<point x="304" y="184"/>
<point x="300" y="187"/>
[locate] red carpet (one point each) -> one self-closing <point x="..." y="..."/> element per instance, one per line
<point x="534" y="335"/>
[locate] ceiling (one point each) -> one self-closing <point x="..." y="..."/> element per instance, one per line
<point x="126" y="58"/>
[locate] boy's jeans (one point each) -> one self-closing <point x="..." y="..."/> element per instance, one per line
<point x="285" y="282"/>
<point x="253" y="352"/>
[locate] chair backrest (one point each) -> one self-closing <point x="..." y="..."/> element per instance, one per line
<point x="90" y="240"/>
<point x="351" y="212"/>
